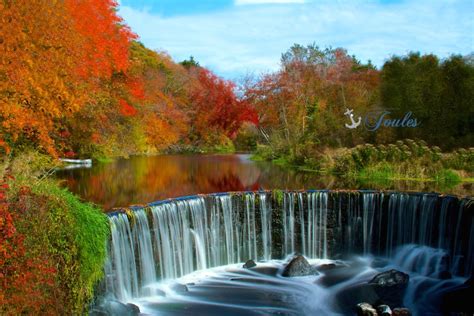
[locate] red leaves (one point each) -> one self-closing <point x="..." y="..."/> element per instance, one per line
<point x="217" y="106"/>
<point x="126" y="109"/>
<point x="104" y="39"/>
<point x="26" y="279"/>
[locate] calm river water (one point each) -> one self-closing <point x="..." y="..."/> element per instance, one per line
<point x="143" y="179"/>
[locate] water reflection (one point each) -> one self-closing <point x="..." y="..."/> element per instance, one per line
<point x="140" y="180"/>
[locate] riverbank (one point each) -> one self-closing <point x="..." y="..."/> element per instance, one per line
<point x="52" y="244"/>
<point x="406" y="160"/>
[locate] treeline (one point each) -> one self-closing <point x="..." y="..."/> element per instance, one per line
<point x="75" y="82"/>
<point x="302" y="107"/>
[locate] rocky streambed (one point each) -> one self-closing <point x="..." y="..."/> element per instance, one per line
<point x="301" y="286"/>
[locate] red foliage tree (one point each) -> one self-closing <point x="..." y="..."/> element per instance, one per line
<point x="216" y="106"/>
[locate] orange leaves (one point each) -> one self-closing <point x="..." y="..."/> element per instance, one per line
<point x="53" y="57"/>
<point x="73" y="65"/>
<point x="159" y="132"/>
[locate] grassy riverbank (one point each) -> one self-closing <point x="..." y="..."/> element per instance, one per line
<point x="52" y="245"/>
<point x="403" y="160"/>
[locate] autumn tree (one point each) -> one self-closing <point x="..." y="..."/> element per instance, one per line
<point x="302" y="105"/>
<point x="216" y="110"/>
<point x="39" y="85"/>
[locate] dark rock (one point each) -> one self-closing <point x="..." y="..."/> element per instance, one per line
<point x="384" y="310"/>
<point x="350" y="296"/>
<point x="134" y="308"/>
<point x="159" y="292"/>
<point x="272" y="271"/>
<point x="445" y="275"/>
<point x="249" y="264"/>
<point x="298" y="266"/>
<point x="114" y="307"/>
<point x="390" y="286"/>
<point x="179" y="288"/>
<point x="330" y="266"/>
<point x="386" y="288"/>
<point x="460" y="298"/>
<point x="365" y="309"/>
<point x="340" y="273"/>
<point x="97" y="312"/>
<point x="325" y="267"/>
<point x="401" y="311"/>
<point x="390" y="278"/>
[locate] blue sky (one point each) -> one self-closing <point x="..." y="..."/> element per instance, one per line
<point x="239" y="37"/>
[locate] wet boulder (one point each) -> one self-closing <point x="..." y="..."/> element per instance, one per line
<point x="365" y="309"/>
<point x="340" y="273"/>
<point x="179" y="288"/>
<point x="113" y="307"/>
<point x="349" y="297"/>
<point x="445" y="275"/>
<point x="384" y="310"/>
<point x="298" y="266"/>
<point x="401" y="311"/>
<point x="133" y="308"/>
<point x="249" y="264"/>
<point x="460" y="298"/>
<point x="329" y="266"/>
<point x="390" y="286"/>
<point x="391" y="278"/>
<point x="386" y="288"/>
<point x="326" y="267"/>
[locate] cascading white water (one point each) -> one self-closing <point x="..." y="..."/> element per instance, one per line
<point x="174" y="238"/>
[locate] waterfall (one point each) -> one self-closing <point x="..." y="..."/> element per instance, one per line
<point x="176" y="237"/>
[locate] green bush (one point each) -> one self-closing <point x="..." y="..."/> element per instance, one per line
<point x="406" y="159"/>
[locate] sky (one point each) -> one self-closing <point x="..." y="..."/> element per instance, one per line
<point x="235" y="38"/>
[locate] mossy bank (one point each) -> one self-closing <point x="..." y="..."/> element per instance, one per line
<point x="61" y="238"/>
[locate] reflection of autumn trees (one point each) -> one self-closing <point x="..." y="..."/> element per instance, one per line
<point x="146" y="179"/>
<point x="141" y="180"/>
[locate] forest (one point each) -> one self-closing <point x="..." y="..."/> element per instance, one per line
<point x="76" y="82"/>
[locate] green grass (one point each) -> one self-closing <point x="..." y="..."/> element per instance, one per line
<point x="104" y="160"/>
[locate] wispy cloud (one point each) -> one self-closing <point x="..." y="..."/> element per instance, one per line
<point x="251" y="38"/>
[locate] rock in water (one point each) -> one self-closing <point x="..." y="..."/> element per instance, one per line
<point x="134" y="308"/>
<point x="391" y="278"/>
<point x="460" y="298"/>
<point x="365" y="309"/>
<point x="298" y="266"/>
<point x="445" y="275"/>
<point x="179" y="288"/>
<point x="390" y="286"/>
<point x="249" y="264"/>
<point x="384" y="310"/>
<point x="401" y="311"/>
<point x="114" y="307"/>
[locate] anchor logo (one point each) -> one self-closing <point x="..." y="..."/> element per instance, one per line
<point x="351" y="116"/>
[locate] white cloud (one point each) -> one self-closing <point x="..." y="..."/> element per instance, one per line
<point x="245" y="39"/>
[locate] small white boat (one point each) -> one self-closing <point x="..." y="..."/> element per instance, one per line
<point x="77" y="161"/>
